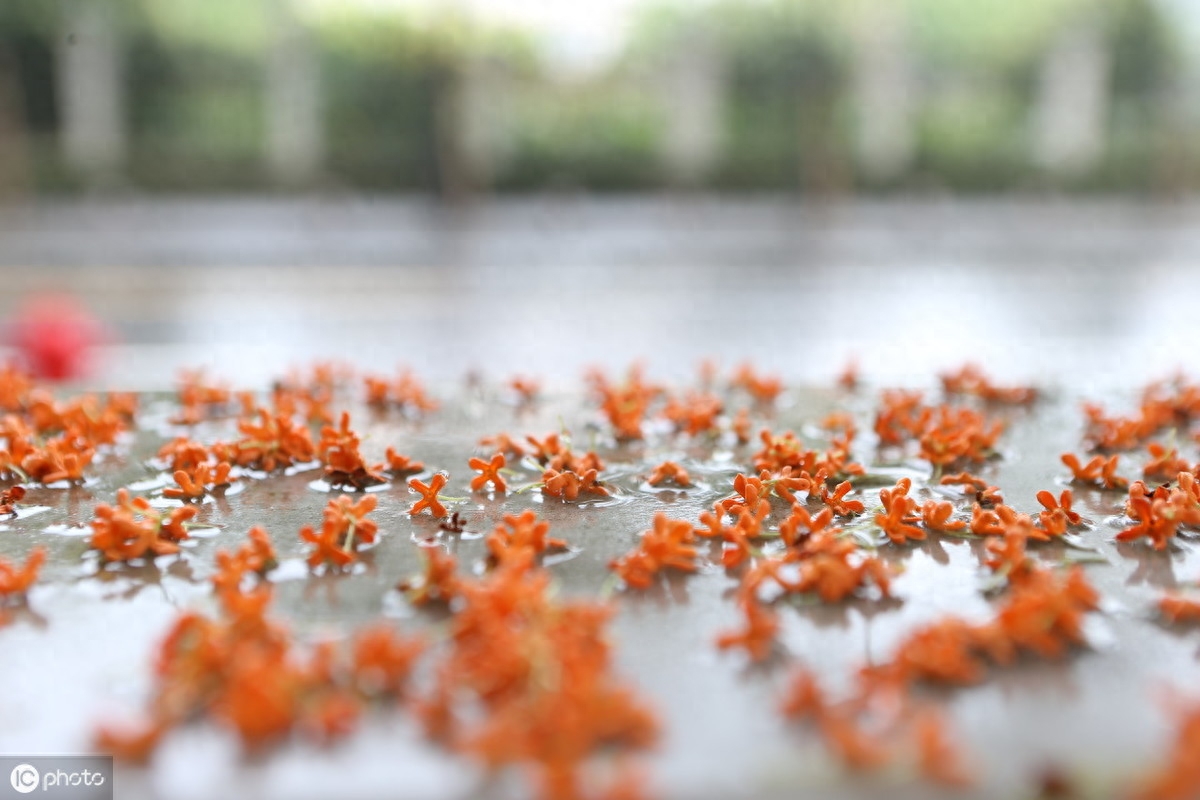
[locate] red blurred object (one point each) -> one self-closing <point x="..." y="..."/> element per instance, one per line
<point x="54" y="335"/>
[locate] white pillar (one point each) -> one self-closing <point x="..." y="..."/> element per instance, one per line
<point x="90" y="89"/>
<point x="885" y="91"/>
<point x="1070" y="113"/>
<point x="694" y="92"/>
<point x="295" y="130"/>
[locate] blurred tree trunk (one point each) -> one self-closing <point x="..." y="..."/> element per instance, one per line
<point x="14" y="141"/>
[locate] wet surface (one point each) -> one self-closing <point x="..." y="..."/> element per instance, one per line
<point x="82" y="651"/>
<point x="1087" y="300"/>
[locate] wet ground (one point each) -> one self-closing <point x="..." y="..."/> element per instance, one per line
<point x="1088" y="300"/>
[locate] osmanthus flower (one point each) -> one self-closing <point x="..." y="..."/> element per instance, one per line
<point x="985" y="522"/>
<point x="668" y="545"/>
<point x="383" y="660"/>
<point x="899" y="513"/>
<point x="1178" y="777"/>
<point x="197" y="483"/>
<point x="268" y="442"/>
<point x="835" y="568"/>
<point x="783" y="450"/>
<point x="901" y="417"/>
<point x="243" y="671"/>
<point x="954" y="435"/>
<point x="9" y="498"/>
<point x="669" y="471"/>
<point x="938" y="759"/>
<point x="400" y="465"/>
<point x="740" y="426"/>
<point x="15" y="581"/>
<point x="489" y="472"/>
<point x="971" y="380"/>
<point x="1157" y="517"/>
<point x="503" y="443"/>
<point x="763" y="388"/>
<point x="625" y="405"/>
<point x="569" y="485"/>
<point x="1100" y="471"/>
<point x="748" y="491"/>
<point x="255" y="557"/>
<point x="405" y="392"/>
<point x="936" y="516"/>
<point x="62" y="458"/>
<point x="344" y="526"/>
<point x="1058" y="516"/>
<point x="1164" y="464"/>
<point x="966" y="480"/>
<point x="438" y="582"/>
<point x="838" y="724"/>
<point x="429" y="495"/>
<point x="135" y="529"/>
<point x="800" y="524"/>
<point x="528" y="680"/>
<point x="757" y="638"/>
<point x="183" y="453"/>
<point x="695" y="414"/>
<point x="200" y="398"/>
<point x="712" y="523"/>
<point x="522" y="535"/>
<point x="836" y="500"/>
<point x="344" y="464"/>
<point x="1177" y="608"/>
<point x="786" y="483"/>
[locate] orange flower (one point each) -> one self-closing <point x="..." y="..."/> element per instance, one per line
<point x="489" y="472"/>
<point x="328" y="549"/>
<point x="523" y="535"/>
<point x="1164" y="464"/>
<point x="344" y="464"/>
<point x="1058" y="514"/>
<point x="1099" y="470"/>
<point x="503" y="443"/>
<point x="669" y="471"/>
<point x="135" y="529"/>
<point x="790" y="528"/>
<point x="758" y="637"/>
<point x="400" y="465"/>
<point x="668" y="544"/>
<point x="383" y="660"/>
<point x="429" y="495"/>
<point x="836" y="501"/>
<point x="438" y="583"/>
<point x="899" y="514"/>
<point x="1179" y="777"/>
<point x="937" y="757"/>
<point x="195" y="485"/>
<point x="1176" y="608"/>
<point x="60" y="459"/>
<point x="14" y="582"/>
<point x="569" y="485"/>
<point x="936" y="516"/>
<point x="9" y="499"/>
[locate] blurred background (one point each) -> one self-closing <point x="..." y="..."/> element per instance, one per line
<point x="318" y="176"/>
